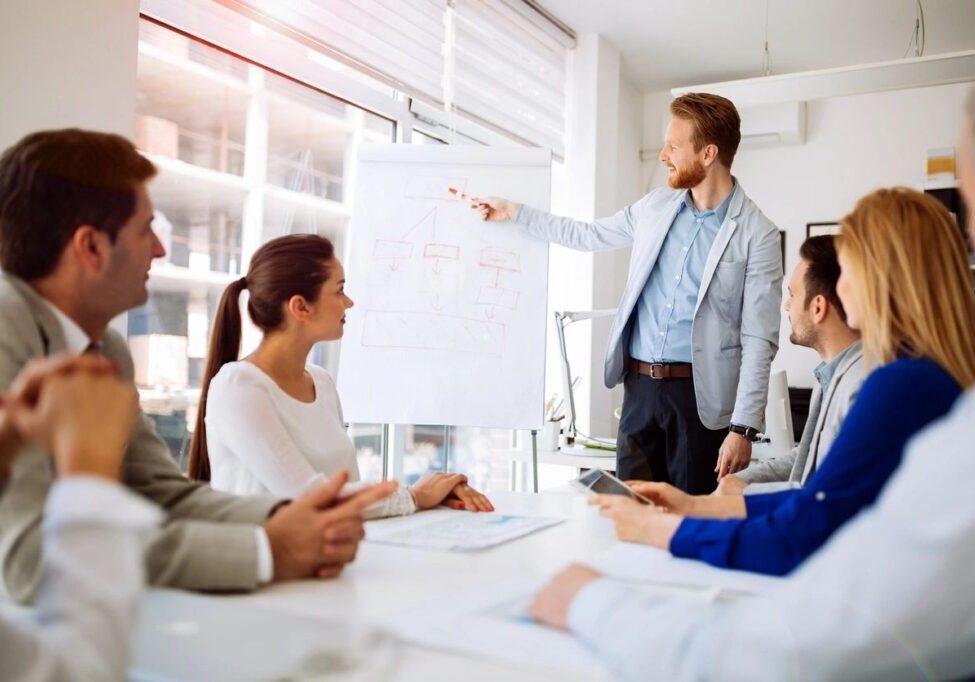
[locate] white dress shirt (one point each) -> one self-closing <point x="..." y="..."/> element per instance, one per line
<point x="262" y="440"/>
<point x="891" y="596"/>
<point x="92" y="581"/>
<point x="77" y="341"/>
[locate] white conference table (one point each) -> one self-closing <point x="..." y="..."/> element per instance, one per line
<point x="387" y="581"/>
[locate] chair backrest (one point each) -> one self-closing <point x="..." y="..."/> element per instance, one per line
<point x="778" y="415"/>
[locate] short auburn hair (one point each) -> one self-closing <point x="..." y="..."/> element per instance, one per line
<point x="715" y="119"/>
<point x="54" y="181"/>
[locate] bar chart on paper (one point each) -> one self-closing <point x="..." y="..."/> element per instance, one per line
<point x="449" y="322"/>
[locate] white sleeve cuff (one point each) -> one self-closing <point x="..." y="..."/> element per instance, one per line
<point x="77" y="500"/>
<point x="265" y="560"/>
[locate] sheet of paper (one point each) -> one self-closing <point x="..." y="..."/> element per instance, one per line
<point x="493" y="623"/>
<point x="642" y="564"/>
<point x="456" y="530"/>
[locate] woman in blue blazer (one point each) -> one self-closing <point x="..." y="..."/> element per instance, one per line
<point x="906" y="285"/>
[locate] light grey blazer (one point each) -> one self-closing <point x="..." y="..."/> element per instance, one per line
<point x="736" y="322"/>
<point x="209" y="541"/>
<point x="827" y="413"/>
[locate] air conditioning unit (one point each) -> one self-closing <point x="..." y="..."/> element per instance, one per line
<point x="772" y="125"/>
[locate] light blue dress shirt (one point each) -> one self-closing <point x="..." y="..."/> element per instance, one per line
<point x="665" y="311"/>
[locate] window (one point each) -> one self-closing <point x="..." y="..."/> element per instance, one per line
<point x="244" y="155"/>
<point x="263" y="144"/>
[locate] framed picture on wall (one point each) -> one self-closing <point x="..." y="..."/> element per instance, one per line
<point x="782" y="246"/>
<point x="820" y="229"/>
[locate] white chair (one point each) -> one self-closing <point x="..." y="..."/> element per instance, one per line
<point x="778" y="416"/>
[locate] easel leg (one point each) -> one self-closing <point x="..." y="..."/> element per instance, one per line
<point x="534" y="460"/>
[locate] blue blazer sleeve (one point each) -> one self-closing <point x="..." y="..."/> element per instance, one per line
<point x="782" y="529"/>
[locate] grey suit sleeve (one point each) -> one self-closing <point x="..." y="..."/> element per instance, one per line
<point x="760" y="318"/>
<point x="614" y="232"/>
<point x="770" y="470"/>
<point x="207" y="543"/>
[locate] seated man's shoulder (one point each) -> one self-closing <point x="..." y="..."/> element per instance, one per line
<point x="20" y="335"/>
<point x="116" y="347"/>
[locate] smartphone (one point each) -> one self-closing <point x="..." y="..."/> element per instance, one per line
<point x="604" y="483"/>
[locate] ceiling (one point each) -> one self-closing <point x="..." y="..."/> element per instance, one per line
<point x="668" y="43"/>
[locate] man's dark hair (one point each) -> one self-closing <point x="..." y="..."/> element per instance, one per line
<point x="823" y="271"/>
<point x="54" y="181"/>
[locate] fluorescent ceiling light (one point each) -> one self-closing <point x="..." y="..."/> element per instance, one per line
<point x="899" y="74"/>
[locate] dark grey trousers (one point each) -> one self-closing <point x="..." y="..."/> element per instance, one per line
<point x="661" y="437"/>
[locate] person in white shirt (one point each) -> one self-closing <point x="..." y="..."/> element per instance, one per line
<point x="93" y="528"/>
<point x="272" y="423"/>
<point x="889" y="597"/>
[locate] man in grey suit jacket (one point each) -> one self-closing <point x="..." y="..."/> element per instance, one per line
<point x="819" y="322"/>
<point x="76" y="243"/>
<point x="698" y="324"/>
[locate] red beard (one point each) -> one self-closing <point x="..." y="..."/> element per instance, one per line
<point x="686" y="178"/>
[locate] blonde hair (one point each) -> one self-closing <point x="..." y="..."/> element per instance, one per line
<point x="909" y="265"/>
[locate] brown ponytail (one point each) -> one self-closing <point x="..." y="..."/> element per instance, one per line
<point x="293" y="265"/>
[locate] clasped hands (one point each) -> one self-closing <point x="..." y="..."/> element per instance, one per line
<point x="319" y="533"/>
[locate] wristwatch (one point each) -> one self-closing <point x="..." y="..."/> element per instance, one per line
<point x="746" y="431"/>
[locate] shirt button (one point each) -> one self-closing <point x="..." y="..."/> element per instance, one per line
<point x="820" y="496"/>
<point x="676" y="276"/>
<point x="698" y="221"/>
<point x="661" y="333"/>
<point x="670" y="305"/>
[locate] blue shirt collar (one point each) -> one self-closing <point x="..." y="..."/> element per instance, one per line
<point x="719" y="212"/>
<point x="825" y="371"/>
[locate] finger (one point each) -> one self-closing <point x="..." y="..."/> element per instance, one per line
<point x="483" y="501"/>
<point x="28" y="384"/>
<point x="478" y="502"/>
<point x="455" y="504"/>
<point x="344" y="531"/>
<point x="339" y="552"/>
<point x="329" y="571"/>
<point x="357" y="503"/>
<point x="325" y="493"/>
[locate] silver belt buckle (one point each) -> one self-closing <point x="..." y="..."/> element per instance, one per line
<point x="653" y="370"/>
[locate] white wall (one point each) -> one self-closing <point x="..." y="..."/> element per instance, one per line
<point x="853" y="145"/>
<point x="67" y="63"/>
<point x="602" y="174"/>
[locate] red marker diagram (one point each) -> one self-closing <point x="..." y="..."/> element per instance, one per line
<point x="393" y="253"/>
<point x="495" y="296"/>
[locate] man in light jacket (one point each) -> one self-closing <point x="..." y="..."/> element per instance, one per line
<point x="818" y="321"/>
<point x="698" y="325"/>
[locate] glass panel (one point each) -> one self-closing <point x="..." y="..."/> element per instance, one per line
<point x="423" y="451"/>
<point x="368" y="439"/>
<point x="244" y="155"/>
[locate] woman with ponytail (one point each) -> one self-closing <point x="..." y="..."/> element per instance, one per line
<point x="270" y="423"/>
